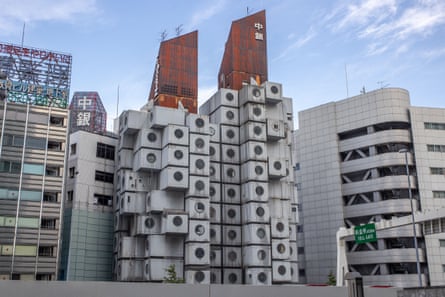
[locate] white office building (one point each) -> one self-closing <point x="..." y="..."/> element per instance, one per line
<point x="350" y="169"/>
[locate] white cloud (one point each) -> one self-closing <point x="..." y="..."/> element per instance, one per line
<point x="310" y="34"/>
<point x="433" y="54"/>
<point x="13" y="13"/>
<point x="206" y="13"/>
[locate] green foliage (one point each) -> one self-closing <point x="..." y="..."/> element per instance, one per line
<point x="171" y="275"/>
<point x="332" y="281"/>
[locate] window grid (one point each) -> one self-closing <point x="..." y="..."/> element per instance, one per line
<point x="438" y="194"/>
<point x="437" y="170"/>
<point x="104" y="177"/>
<point x="436" y="148"/>
<point x="105" y="151"/>
<point x="434" y="126"/>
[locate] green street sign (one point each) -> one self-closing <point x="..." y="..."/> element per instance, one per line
<point x="365" y="233"/>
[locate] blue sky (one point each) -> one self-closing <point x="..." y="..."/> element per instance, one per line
<point x="381" y="43"/>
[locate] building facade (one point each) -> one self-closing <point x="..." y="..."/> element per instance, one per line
<point x="350" y="170"/>
<point x="87" y="241"/>
<point x="34" y="87"/>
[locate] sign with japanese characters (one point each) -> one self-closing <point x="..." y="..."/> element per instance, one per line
<point x="258" y="31"/>
<point x="365" y="233"/>
<point x="35" y="76"/>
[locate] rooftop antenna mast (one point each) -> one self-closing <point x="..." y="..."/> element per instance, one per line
<point x="382" y="84"/>
<point x="178" y="30"/>
<point x="117" y="105"/>
<point x="23" y="33"/>
<point x="163" y="35"/>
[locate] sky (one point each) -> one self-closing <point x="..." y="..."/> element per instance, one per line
<point x="321" y="50"/>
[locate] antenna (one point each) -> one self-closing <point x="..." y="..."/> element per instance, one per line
<point x="247" y="10"/>
<point x="178" y="30"/>
<point x="363" y="91"/>
<point x="163" y="35"/>
<point x="23" y="33"/>
<point x="346" y="76"/>
<point x="117" y="105"/>
<point x="382" y="84"/>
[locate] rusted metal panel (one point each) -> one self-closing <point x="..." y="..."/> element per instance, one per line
<point x="245" y="55"/>
<point x="176" y="72"/>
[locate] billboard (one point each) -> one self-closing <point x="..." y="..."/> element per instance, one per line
<point x="35" y="76"/>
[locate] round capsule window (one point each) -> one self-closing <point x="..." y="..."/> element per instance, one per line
<point x="280" y="226"/>
<point x="258" y="149"/>
<point x="232" y="278"/>
<point x="212" y="131"/>
<point x="232" y="256"/>
<point x="178" y="176"/>
<point x="231" y="193"/>
<point x="229" y="97"/>
<point x="178" y="154"/>
<point x="261" y="255"/>
<point x="152" y="137"/>
<point x="231" y="213"/>
<point x="260" y="211"/>
<point x="212" y="171"/>
<point x="282" y="270"/>
<point x="199" y="253"/>
<point x="212" y="255"/>
<point x="151" y="158"/>
<point x="199" y="143"/>
<point x="257" y="111"/>
<point x="230" y="133"/>
<point x="200" y="229"/>
<point x="212" y="212"/>
<point x="257" y="130"/>
<point x="281" y="248"/>
<point x="259" y="170"/>
<point x="232" y="234"/>
<point x="177" y="221"/>
<point x="274" y="89"/>
<point x="212" y="151"/>
<point x="199" y="207"/>
<point x="262" y="277"/>
<point x="230" y="153"/>
<point x="199" y="276"/>
<point x="231" y="172"/>
<point x="200" y="164"/>
<point x="149" y="223"/>
<point x="212" y="191"/>
<point x="259" y="190"/>
<point x="277" y="165"/>
<point x="199" y="123"/>
<point x="230" y="115"/>
<point x="179" y="133"/>
<point x="199" y="185"/>
<point x="256" y="92"/>
<point x="212" y="233"/>
<point x="261" y="233"/>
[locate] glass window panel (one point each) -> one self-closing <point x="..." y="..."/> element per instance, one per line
<point x="5" y="166"/>
<point x="15" y="167"/>
<point x="17" y="141"/>
<point x="37" y="143"/>
<point x="31" y="195"/>
<point x="33" y="169"/>
<point x="28" y="222"/>
<point x="25" y="250"/>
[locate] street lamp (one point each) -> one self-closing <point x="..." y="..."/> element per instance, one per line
<point x="406" y="151"/>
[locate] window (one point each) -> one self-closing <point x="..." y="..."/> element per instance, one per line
<point x="73" y="149"/>
<point x="35" y="143"/>
<point x="435" y="126"/>
<point x="50" y="196"/>
<point x="56" y="121"/>
<point x="297" y="166"/>
<point x="300" y="228"/>
<point x="54" y="146"/>
<point x="437" y="170"/>
<point x="301" y="272"/>
<point x="105" y="151"/>
<point x="442" y="242"/>
<point x="35" y="169"/>
<point x="49" y="224"/>
<point x="52" y="171"/>
<point x="300" y="250"/>
<point x="443" y="268"/>
<point x="46" y="251"/>
<point x="69" y="195"/>
<point x="72" y="172"/>
<point x="103" y="199"/>
<point x="438" y="194"/>
<point x="104" y="177"/>
<point x="435" y="148"/>
<point x="10" y="166"/>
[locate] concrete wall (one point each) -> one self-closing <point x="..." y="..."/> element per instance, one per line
<point x="115" y="289"/>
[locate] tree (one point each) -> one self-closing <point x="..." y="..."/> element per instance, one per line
<point x="332" y="281"/>
<point x="171" y="275"/>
